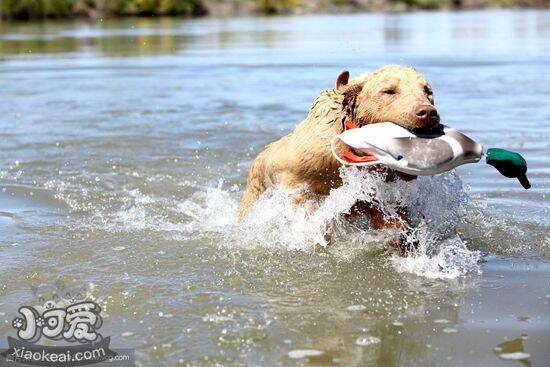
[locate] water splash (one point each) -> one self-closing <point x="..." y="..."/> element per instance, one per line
<point x="438" y="209"/>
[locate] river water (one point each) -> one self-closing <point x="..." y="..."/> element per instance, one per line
<point x="125" y="146"/>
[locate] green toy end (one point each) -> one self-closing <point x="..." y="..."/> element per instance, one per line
<point x="509" y="164"/>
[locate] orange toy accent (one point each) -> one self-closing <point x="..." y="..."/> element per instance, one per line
<point x="351" y="157"/>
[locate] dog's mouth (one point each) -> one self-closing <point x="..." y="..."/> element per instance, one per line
<point x="429" y="129"/>
<point x="429" y="132"/>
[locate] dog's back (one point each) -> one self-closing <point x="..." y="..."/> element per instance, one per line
<point x="301" y="158"/>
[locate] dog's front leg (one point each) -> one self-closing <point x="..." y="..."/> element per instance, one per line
<point x="399" y="223"/>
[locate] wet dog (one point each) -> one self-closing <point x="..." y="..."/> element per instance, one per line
<point x="302" y="160"/>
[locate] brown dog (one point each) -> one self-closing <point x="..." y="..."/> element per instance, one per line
<point x="302" y="160"/>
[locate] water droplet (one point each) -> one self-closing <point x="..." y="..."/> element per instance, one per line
<point x="367" y="340"/>
<point x="516" y="356"/>
<point x="304" y="353"/>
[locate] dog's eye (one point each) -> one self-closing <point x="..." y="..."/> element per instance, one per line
<point x="428" y="91"/>
<point x="389" y="91"/>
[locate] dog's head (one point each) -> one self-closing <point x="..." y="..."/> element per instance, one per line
<point x="393" y="93"/>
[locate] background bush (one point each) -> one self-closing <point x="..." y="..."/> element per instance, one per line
<point x="28" y="9"/>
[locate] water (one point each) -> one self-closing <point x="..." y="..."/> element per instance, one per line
<point x="125" y="150"/>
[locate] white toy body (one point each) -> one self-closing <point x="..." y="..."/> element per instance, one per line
<point x="419" y="154"/>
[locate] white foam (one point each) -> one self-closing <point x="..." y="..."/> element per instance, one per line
<point x="304" y="353"/>
<point x="436" y="204"/>
<point x="367" y="340"/>
<point x="515" y="356"/>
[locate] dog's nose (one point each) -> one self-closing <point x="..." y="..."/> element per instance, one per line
<point x="427" y="116"/>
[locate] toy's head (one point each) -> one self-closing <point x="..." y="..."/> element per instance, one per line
<point x="509" y="164"/>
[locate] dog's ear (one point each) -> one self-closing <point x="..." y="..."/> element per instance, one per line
<point x="350" y="95"/>
<point x="349" y="101"/>
<point x="342" y="80"/>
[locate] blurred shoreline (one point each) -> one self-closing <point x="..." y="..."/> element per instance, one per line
<point x="96" y="9"/>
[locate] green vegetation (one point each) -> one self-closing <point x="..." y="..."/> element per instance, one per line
<point x="278" y="6"/>
<point x="425" y="4"/>
<point x="32" y="9"/>
<point x="27" y="9"/>
<point x="22" y="9"/>
<point x="152" y="7"/>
